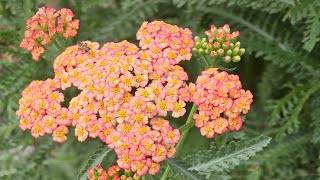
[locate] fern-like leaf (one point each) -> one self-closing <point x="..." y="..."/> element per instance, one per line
<point x="180" y="167"/>
<point x="287" y="109"/>
<point x="312" y="33"/>
<point x="96" y="158"/>
<point x="228" y="156"/>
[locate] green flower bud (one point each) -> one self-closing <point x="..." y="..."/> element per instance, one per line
<point x="242" y="51"/>
<point x="201" y="51"/>
<point x="128" y="173"/>
<point x="227" y="59"/>
<point x="236" y="58"/>
<point x="198" y="45"/>
<point x="238" y="44"/>
<point x="235" y="51"/>
<point x="206" y="51"/>
<point x="197" y="38"/>
<point x="204" y="45"/>
<point x="231" y="45"/>
<point x="229" y="52"/>
<point x="203" y="40"/>
<point x="195" y="50"/>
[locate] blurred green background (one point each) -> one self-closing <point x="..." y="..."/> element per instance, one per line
<point x="281" y="67"/>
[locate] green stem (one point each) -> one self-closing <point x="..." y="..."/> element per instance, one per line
<point x="63" y="44"/>
<point x="184" y="133"/>
<point x="55" y="42"/>
<point x="186" y="127"/>
<point x="205" y="60"/>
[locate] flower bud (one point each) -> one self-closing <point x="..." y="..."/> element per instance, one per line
<point x="235" y="51"/>
<point x="198" y="45"/>
<point x="236" y="58"/>
<point x="195" y="50"/>
<point x="197" y="38"/>
<point x="229" y="52"/>
<point x="204" y="45"/>
<point x="242" y="51"/>
<point x="220" y="52"/>
<point x="227" y="59"/>
<point x="201" y="51"/>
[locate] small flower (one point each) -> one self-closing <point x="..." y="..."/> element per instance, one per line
<point x="59" y="134"/>
<point x="81" y="133"/>
<point x="207" y="130"/>
<point x="220" y="125"/>
<point x="235" y="124"/>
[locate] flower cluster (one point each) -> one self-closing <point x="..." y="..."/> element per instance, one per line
<point x="41" y="112"/>
<point x="220" y="101"/>
<point x="221" y="44"/>
<point x="44" y="26"/>
<point x="124" y="92"/>
<point x="167" y="43"/>
<point x="113" y="173"/>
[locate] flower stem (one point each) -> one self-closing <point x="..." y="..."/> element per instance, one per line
<point x="55" y="42"/>
<point x="185" y="128"/>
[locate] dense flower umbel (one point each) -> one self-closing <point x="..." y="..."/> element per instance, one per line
<point x="113" y="173"/>
<point x="44" y="26"/>
<point x="222" y="45"/>
<point x="220" y="101"/>
<point x="124" y="92"/>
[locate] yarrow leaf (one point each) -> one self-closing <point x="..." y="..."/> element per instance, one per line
<point x="96" y="158"/>
<point x="228" y="156"/>
<point x="180" y="167"/>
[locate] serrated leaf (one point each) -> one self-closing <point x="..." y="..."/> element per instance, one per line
<point x="96" y="158"/>
<point x="228" y="156"/>
<point x="179" y="167"/>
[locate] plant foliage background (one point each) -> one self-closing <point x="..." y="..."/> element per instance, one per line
<point x="281" y="67"/>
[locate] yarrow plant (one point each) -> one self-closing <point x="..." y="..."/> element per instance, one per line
<point x="128" y="91"/>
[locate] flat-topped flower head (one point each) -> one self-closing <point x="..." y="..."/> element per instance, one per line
<point x="43" y="28"/>
<point x="220" y="101"/>
<point x="125" y="92"/>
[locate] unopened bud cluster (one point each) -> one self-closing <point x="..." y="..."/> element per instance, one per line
<point x="221" y="44"/>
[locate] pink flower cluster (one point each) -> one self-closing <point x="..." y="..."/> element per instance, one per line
<point x="220" y="101"/>
<point x="124" y="92"/>
<point x="165" y="42"/>
<point x="113" y="173"/>
<point x="41" y="112"/>
<point x="44" y="26"/>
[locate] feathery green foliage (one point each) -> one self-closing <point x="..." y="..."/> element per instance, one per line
<point x="226" y="157"/>
<point x="281" y="67"/>
<point x="288" y="108"/>
<point x="97" y="157"/>
<point x="182" y="170"/>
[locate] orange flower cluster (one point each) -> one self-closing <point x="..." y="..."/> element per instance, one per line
<point x="124" y="92"/>
<point x="44" y="26"/>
